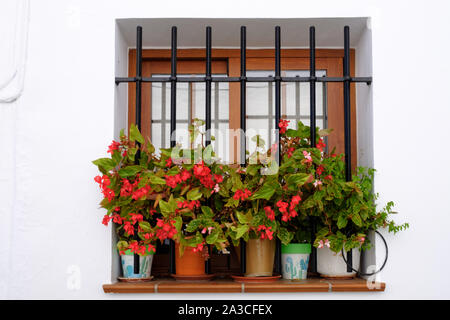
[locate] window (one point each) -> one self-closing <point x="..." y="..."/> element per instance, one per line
<point x="225" y="96"/>
<point x="225" y="103"/>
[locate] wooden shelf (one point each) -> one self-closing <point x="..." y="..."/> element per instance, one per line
<point x="229" y="286"/>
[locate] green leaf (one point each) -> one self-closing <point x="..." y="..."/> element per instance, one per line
<point x="129" y="171"/>
<point x="145" y="226"/>
<point x="167" y="207"/>
<point x="135" y="135"/>
<point x="193" y="225"/>
<point x="131" y="154"/>
<point x="356" y="218"/>
<point x="157" y="180"/>
<point x="342" y="221"/>
<point x="194" y="194"/>
<point x="244" y="218"/>
<point x="212" y="238"/>
<point x="122" y="245"/>
<point x="104" y="164"/>
<point x="241" y="230"/>
<point x="284" y="235"/>
<point x="297" y="179"/>
<point x="207" y="211"/>
<point x="178" y="223"/>
<point x="265" y="192"/>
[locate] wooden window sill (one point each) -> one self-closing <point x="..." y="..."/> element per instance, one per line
<point x="230" y="286"/>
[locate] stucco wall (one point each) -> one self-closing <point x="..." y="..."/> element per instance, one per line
<point x="50" y="228"/>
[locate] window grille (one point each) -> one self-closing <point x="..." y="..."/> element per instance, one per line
<point x="274" y="80"/>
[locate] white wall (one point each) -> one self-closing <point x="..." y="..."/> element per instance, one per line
<point x="67" y="116"/>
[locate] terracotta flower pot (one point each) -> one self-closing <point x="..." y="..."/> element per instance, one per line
<point x="190" y="263"/>
<point x="260" y="255"/>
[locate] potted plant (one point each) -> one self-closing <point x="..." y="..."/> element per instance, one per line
<point x="264" y="199"/>
<point x="190" y="215"/>
<point x="344" y="210"/>
<point x="131" y="191"/>
<point x="347" y="218"/>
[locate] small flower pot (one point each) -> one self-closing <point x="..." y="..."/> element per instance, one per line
<point x="190" y="263"/>
<point x="332" y="265"/>
<point x="145" y="265"/>
<point x="260" y="255"/>
<point x="295" y="259"/>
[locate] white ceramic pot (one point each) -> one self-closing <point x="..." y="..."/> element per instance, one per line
<point x="295" y="259"/>
<point x="332" y="265"/>
<point x="145" y="265"/>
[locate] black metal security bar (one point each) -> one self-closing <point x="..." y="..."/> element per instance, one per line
<point x="243" y="101"/>
<point x="173" y="123"/>
<point x="347" y="122"/>
<point x="277" y="79"/>
<point x="312" y="123"/>
<point x="136" y="259"/>
<point x="208" y="112"/>
<point x="243" y="79"/>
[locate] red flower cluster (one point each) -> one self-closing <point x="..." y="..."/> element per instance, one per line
<point x="129" y="228"/>
<point x="199" y="247"/>
<point x="191" y="205"/>
<point x="104" y="182"/>
<point x="320" y="170"/>
<point x="106" y="219"/>
<point x="242" y="194"/>
<point x="269" y="213"/>
<point x="136" y="217"/>
<point x="167" y="230"/>
<point x="329" y="177"/>
<point x="283" y="207"/>
<point x="127" y="187"/>
<point x="290" y="151"/>
<point x="321" y="145"/>
<point x="283" y="124"/>
<point x="142" y="192"/>
<point x="266" y="232"/>
<point x="203" y="173"/>
<point x="173" y="181"/>
<point x="113" y="146"/>
<point x="136" y="248"/>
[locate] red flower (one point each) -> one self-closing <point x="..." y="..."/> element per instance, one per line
<point x="185" y="175"/>
<point x="269" y="213"/>
<point x="167" y="229"/>
<point x="173" y="181"/>
<point x="218" y="178"/>
<point x="329" y="177"/>
<point x="266" y="232"/>
<point x="138" y="194"/>
<point x="113" y="146"/>
<point x="106" y="219"/>
<point x="290" y="152"/>
<point x="283" y="125"/>
<point x="242" y="194"/>
<point x="128" y="228"/>
<point x="199" y="247"/>
<point x="200" y="170"/>
<point x="282" y="206"/>
<point x="117" y="219"/>
<point x="295" y="201"/>
<point x="321" y="145"/>
<point x="169" y="162"/>
<point x="320" y="170"/>
<point x="136" y="217"/>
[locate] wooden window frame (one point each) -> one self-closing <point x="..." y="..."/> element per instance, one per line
<point x="329" y="59"/>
